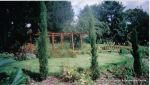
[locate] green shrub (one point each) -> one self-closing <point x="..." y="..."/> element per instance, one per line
<point x="123" y="51"/>
<point x="144" y="52"/>
<point x="122" y="71"/>
<point x="84" y="79"/>
<point x="25" y="56"/>
<point x="145" y="72"/>
<point x="78" y="75"/>
<point x="7" y="55"/>
<point x="145" y="68"/>
<point x="14" y="76"/>
<point x="70" y="73"/>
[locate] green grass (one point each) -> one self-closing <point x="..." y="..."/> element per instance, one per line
<point x="55" y="64"/>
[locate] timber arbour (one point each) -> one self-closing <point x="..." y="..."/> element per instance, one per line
<point x="62" y="35"/>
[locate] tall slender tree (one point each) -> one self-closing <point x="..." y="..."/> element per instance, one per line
<point x="137" y="60"/>
<point x="43" y="42"/>
<point x="92" y="34"/>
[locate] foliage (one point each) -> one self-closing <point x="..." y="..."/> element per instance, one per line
<point x="70" y="73"/>
<point x="123" y="51"/>
<point x="62" y="53"/>
<point x="78" y="75"/>
<point x="145" y="68"/>
<point x="139" y="20"/>
<point x="43" y="42"/>
<point x="7" y="55"/>
<point x="92" y="34"/>
<point x="101" y="28"/>
<point x="124" y="71"/>
<point x="13" y="78"/>
<point x="60" y="15"/>
<point x="84" y="79"/>
<point x="14" y="17"/>
<point x="111" y="12"/>
<point x="19" y="78"/>
<point x="144" y="52"/>
<point x="137" y="59"/>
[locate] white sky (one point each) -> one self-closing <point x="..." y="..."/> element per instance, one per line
<point x="79" y="4"/>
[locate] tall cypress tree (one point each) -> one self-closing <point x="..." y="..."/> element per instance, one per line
<point x="137" y="60"/>
<point x="43" y="42"/>
<point x="92" y="34"/>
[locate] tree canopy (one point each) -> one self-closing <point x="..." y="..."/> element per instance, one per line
<point x="112" y="22"/>
<point x="59" y="13"/>
<point x="139" y="20"/>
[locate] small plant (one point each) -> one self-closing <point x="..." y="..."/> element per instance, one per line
<point x="70" y="73"/>
<point x="78" y="75"/>
<point x="123" y="51"/>
<point x="122" y="71"/>
<point x="144" y="52"/>
<point x="84" y="79"/>
<point x="15" y="77"/>
<point x="7" y="55"/>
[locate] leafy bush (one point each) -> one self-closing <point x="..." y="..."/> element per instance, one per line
<point x="145" y="68"/>
<point x="122" y="71"/>
<point x="7" y="55"/>
<point x="123" y="51"/>
<point x="16" y="77"/>
<point x="70" y="73"/>
<point x="77" y="75"/>
<point x="144" y="52"/>
<point x="145" y="72"/>
<point x="25" y="56"/>
<point x="84" y="79"/>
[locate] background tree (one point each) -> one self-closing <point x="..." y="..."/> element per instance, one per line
<point x="111" y="12"/>
<point x="102" y="29"/>
<point x="140" y="21"/>
<point x="13" y="19"/>
<point x="60" y="14"/>
<point x="43" y="42"/>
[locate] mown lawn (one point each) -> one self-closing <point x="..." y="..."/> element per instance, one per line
<point x="83" y="60"/>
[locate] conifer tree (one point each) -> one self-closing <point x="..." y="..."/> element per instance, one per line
<point x="43" y="42"/>
<point x="137" y="60"/>
<point x="92" y="34"/>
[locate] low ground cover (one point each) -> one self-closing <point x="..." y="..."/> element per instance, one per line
<point x="55" y="64"/>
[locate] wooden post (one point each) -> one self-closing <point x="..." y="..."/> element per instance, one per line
<point x="72" y="43"/>
<point x="62" y="40"/>
<point x="81" y="40"/>
<point x="30" y="40"/>
<point x="53" y="40"/>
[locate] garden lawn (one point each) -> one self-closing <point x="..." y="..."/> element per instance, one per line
<point x="55" y="64"/>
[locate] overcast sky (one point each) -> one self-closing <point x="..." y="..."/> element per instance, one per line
<point x="79" y="4"/>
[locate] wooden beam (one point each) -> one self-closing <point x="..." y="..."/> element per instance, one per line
<point x="72" y="41"/>
<point x="81" y="40"/>
<point x="62" y="40"/>
<point x="53" y="41"/>
<point x="30" y="40"/>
